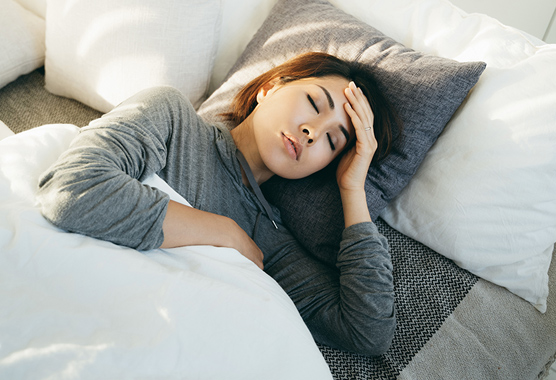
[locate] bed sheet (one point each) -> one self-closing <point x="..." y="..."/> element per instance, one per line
<point x="451" y="325"/>
<point x="74" y="307"/>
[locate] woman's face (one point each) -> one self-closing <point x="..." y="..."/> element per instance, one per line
<point x="302" y="126"/>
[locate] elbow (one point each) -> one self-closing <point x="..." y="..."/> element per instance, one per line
<point x="376" y="340"/>
<point x="368" y="336"/>
<point x="60" y="201"/>
<point x="372" y="327"/>
<point x="56" y="206"/>
<point x="379" y="347"/>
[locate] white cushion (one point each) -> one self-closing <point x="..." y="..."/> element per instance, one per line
<point x="38" y="7"/>
<point x="21" y="41"/>
<point x="240" y="20"/>
<point x="4" y="131"/>
<point x="74" y="307"/>
<point x="102" y="52"/>
<point x="485" y="196"/>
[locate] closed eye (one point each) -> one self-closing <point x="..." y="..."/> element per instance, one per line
<point x="332" y="146"/>
<point x="313" y="103"/>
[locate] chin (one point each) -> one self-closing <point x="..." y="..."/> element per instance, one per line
<point x="287" y="174"/>
<point x="291" y="175"/>
<point x="291" y="170"/>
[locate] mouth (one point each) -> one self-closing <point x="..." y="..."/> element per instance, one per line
<point x="293" y="147"/>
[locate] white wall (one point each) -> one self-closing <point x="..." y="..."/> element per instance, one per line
<point x="535" y="17"/>
<point x="550" y="37"/>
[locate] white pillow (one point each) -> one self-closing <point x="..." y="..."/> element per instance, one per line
<point x="74" y="307"/>
<point x="38" y="7"/>
<point x="240" y="20"/>
<point x="21" y="41"/>
<point x="502" y="229"/>
<point x="102" y="52"/>
<point x="485" y="196"/>
<point x="5" y="131"/>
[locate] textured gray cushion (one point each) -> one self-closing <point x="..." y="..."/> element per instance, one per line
<point x="425" y="90"/>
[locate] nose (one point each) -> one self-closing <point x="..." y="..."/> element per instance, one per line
<point x="309" y="134"/>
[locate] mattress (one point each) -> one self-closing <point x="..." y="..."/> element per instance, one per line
<point x="451" y="324"/>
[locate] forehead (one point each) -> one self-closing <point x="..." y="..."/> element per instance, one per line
<point x="332" y="87"/>
<point x="335" y="86"/>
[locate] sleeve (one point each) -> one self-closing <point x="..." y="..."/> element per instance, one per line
<point x="94" y="188"/>
<point x="351" y="308"/>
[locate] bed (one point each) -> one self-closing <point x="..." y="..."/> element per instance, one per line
<point x="467" y="203"/>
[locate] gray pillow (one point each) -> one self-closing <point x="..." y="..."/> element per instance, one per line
<point x="425" y="90"/>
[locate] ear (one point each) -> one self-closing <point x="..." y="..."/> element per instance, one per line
<point x="267" y="89"/>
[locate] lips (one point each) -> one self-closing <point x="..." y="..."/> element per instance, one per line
<point x="293" y="147"/>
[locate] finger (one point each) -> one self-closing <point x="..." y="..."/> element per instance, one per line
<point x="258" y="261"/>
<point x="358" y="124"/>
<point x="359" y="97"/>
<point x="365" y="107"/>
<point x="360" y="105"/>
<point x="365" y="114"/>
<point x="361" y="128"/>
<point x="365" y="143"/>
<point x="259" y="258"/>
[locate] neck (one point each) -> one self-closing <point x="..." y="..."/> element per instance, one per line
<point x="244" y="138"/>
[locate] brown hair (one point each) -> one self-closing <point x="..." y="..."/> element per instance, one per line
<point x="315" y="65"/>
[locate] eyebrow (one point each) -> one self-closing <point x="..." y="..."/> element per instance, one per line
<point x="345" y="132"/>
<point x="332" y="105"/>
<point x="330" y="101"/>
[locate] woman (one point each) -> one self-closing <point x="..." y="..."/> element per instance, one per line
<point x="291" y="121"/>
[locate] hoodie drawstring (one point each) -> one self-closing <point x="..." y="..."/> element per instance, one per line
<point x="255" y="186"/>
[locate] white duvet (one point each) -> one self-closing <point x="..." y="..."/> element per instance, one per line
<point x="73" y="307"/>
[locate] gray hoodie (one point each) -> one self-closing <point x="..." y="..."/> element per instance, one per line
<point x="95" y="189"/>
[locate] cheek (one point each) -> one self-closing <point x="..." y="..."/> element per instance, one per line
<point x="321" y="157"/>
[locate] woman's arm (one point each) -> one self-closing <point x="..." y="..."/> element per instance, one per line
<point x="354" y="165"/>
<point x="184" y="225"/>
<point x="350" y="307"/>
<point x="354" y="311"/>
<point x="95" y="188"/>
<point x="354" y="204"/>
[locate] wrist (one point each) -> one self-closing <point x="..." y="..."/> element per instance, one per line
<point x="352" y="191"/>
<point x="354" y="203"/>
<point x="184" y="226"/>
<point x="233" y="235"/>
